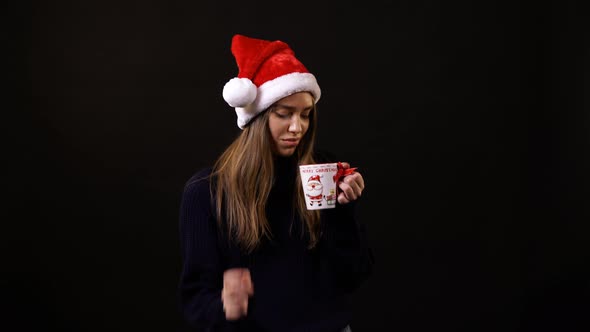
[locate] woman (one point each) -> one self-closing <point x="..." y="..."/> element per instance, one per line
<point x="254" y="257"/>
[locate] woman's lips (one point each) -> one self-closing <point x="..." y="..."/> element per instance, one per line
<point x="291" y="142"/>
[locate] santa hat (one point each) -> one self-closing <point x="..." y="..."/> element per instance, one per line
<point x="314" y="178"/>
<point x="268" y="71"/>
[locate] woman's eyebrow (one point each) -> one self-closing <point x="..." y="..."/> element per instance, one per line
<point x="285" y="106"/>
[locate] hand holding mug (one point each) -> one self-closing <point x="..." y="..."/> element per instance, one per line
<point x="351" y="186"/>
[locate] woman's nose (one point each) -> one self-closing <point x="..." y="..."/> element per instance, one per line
<point x="295" y="125"/>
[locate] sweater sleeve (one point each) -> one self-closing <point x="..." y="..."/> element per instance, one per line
<point x="344" y="240"/>
<point x="202" y="273"/>
<point x="345" y="245"/>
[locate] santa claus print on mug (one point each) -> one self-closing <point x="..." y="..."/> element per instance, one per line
<point x="319" y="186"/>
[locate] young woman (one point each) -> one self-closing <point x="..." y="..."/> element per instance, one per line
<point x="254" y="257"/>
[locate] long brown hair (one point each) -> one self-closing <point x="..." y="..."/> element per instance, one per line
<point x="244" y="175"/>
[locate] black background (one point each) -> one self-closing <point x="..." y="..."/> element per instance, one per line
<point x="468" y="120"/>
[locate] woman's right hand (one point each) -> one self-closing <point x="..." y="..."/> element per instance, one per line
<point x="237" y="289"/>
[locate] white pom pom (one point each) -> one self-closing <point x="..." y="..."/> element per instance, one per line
<point x="239" y="92"/>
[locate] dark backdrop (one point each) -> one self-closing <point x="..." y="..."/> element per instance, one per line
<point x="468" y="120"/>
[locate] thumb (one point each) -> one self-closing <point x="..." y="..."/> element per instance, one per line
<point x="247" y="284"/>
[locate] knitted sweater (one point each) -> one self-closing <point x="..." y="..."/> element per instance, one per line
<point x="295" y="288"/>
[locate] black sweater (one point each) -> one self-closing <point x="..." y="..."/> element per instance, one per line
<point x="295" y="289"/>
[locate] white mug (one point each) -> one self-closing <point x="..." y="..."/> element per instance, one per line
<point x="318" y="184"/>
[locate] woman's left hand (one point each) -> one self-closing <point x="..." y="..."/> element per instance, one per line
<point x="351" y="186"/>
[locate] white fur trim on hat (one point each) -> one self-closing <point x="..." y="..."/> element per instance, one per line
<point x="274" y="90"/>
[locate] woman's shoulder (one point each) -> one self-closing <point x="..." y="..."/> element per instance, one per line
<point x="196" y="200"/>
<point x="200" y="180"/>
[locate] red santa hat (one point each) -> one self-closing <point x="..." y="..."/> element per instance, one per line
<point x="268" y="71"/>
<point x="314" y="178"/>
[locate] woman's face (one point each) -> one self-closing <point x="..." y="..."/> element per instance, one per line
<point x="288" y="122"/>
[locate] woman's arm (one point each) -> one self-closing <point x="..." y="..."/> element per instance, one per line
<point x="344" y="240"/>
<point x="202" y="272"/>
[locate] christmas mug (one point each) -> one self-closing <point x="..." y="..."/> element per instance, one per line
<point x="319" y="185"/>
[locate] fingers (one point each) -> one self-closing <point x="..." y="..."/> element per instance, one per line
<point x="237" y="288"/>
<point x="351" y="188"/>
<point x="234" y="304"/>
